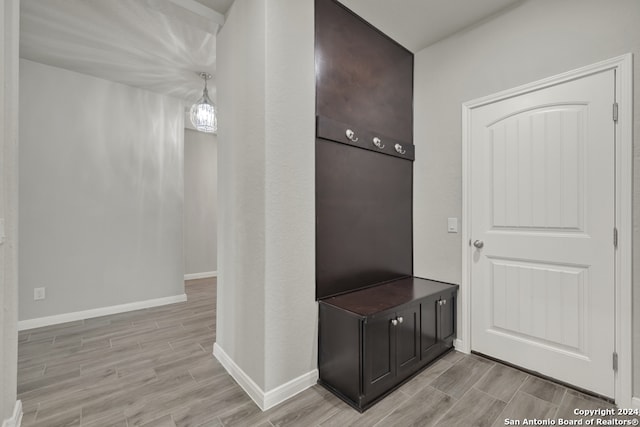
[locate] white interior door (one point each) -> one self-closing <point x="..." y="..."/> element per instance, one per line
<point x="542" y="218"/>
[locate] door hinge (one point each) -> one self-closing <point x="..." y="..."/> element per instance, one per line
<point x="615" y="237"/>
<point x="615" y="112"/>
<point x="615" y="361"/>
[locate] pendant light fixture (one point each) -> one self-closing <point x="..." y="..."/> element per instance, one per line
<point x="203" y="112"/>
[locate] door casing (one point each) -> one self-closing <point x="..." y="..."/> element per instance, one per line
<point x="623" y="66"/>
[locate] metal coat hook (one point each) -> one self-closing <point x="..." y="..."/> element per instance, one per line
<point x="378" y="142"/>
<point x="399" y="149"/>
<point x="351" y="135"/>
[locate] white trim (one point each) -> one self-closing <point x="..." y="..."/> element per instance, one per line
<point x="248" y="385"/>
<point x="16" y="418"/>
<point x="635" y="403"/>
<point x="624" y="203"/>
<point x="290" y="389"/>
<point x="204" y="275"/>
<point x="624" y="223"/>
<point x="271" y="398"/>
<point x="459" y="346"/>
<point x="97" y="312"/>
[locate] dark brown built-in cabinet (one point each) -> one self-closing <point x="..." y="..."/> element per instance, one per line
<point x="378" y="324"/>
<point x="373" y="339"/>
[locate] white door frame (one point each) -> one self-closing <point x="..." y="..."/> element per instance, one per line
<point x="623" y="66"/>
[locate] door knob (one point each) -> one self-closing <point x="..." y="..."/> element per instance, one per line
<point x="478" y="244"/>
<point x="394" y="322"/>
<point x="400" y="320"/>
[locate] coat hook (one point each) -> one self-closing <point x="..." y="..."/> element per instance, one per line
<point x="399" y="149"/>
<point x="351" y="135"/>
<point x="378" y="142"/>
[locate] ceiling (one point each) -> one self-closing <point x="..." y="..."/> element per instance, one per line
<point x="161" y="45"/>
<point x="158" y="45"/>
<point x="416" y="24"/>
<point x="221" y="6"/>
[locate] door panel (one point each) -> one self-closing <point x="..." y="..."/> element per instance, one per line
<point x="537" y="163"/>
<point x="446" y="324"/>
<point x="408" y="340"/>
<point x="542" y="184"/>
<point x="520" y="304"/>
<point x="379" y="354"/>
<point x="429" y="328"/>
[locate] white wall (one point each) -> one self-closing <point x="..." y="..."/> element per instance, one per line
<point x="101" y="192"/>
<point x="535" y="40"/>
<point x="9" y="34"/>
<point x="240" y="54"/>
<point x="200" y="197"/>
<point x="267" y="315"/>
<point x="291" y="310"/>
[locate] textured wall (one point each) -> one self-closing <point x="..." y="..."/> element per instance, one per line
<point x="200" y="201"/>
<point x="291" y="310"/>
<point x="240" y="330"/>
<point x="101" y="192"/>
<point x="267" y="314"/>
<point x="535" y="40"/>
<point x="9" y="32"/>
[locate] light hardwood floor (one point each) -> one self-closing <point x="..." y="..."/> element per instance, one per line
<point x="154" y="367"/>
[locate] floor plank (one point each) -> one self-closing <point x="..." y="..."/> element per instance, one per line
<point x="154" y="367"/>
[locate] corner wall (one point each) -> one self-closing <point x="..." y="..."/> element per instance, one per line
<point x="267" y="314"/>
<point x="101" y="193"/>
<point x="240" y="94"/>
<point x="535" y="40"/>
<point x="9" y="35"/>
<point x="200" y="202"/>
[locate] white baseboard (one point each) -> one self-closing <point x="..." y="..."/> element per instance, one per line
<point x="16" y="418"/>
<point x="635" y="402"/>
<point x="458" y="344"/>
<point x="97" y="312"/>
<point x="247" y="384"/>
<point x="205" y="275"/>
<point x="264" y="400"/>
<point x="290" y="389"/>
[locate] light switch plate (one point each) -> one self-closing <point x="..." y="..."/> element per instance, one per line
<point x="452" y="225"/>
<point x="39" y="294"/>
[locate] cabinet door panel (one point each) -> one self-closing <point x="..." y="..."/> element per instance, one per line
<point x="446" y="327"/>
<point x="379" y="355"/>
<point x="428" y="327"/>
<point x="408" y="340"/>
<point x="379" y="350"/>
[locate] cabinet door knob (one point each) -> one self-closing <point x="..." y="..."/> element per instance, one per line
<point x="394" y="322"/>
<point x="400" y="319"/>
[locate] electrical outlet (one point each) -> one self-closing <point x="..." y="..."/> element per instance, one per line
<point x="38" y="294"/>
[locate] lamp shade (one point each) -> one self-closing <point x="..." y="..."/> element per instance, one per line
<point x="203" y="112"/>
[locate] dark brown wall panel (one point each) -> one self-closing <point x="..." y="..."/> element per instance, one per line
<point x="363" y="78"/>
<point x="363" y="218"/>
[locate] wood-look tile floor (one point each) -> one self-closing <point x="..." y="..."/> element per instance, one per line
<point x="154" y="367"/>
